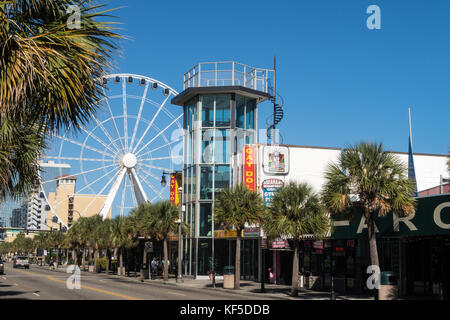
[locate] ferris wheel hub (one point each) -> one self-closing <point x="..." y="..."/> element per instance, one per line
<point x="129" y="160"/>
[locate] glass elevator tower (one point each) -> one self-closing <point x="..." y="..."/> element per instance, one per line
<point x="220" y="103"/>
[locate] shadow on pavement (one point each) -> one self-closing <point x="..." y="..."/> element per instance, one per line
<point x="10" y="293"/>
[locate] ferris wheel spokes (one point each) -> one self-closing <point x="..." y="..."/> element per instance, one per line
<point x="150" y="124"/>
<point x="159" y="133"/>
<point x="141" y="107"/>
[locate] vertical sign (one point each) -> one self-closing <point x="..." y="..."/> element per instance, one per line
<point x="249" y="167"/>
<point x="174" y="189"/>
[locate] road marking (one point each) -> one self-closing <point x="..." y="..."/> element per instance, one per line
<point x="36" y="294"/>
<point x="15" y="284"/>
<point x="4" y="278"/>
<point x="177" y="293"/>
<point x="85" y="287"/>
<point x="99" y="290"/>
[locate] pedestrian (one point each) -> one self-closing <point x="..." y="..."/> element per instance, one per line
<point x="154" y="266"/>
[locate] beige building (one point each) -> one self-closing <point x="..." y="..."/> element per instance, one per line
<point x="68" y="206"/>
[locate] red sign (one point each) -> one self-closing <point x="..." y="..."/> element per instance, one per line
<point x="174" y="190"/>
<point x="249" y="168"/>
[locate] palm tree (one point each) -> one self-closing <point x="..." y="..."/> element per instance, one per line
<point x="73" y="241"/>
<point x="142" y="217"/>
<point x="372" y="182"/>
<point x="162" y="224"/>
<point x="57" y="239"/>
<point x="122" y="236"/>
<point x="48" y="74"/>
<point x="296" y="211"/>
<point x="234" y="208"/>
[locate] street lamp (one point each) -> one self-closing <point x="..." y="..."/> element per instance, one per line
<point x="179" y="221"/>
<point x="180" y="241"/>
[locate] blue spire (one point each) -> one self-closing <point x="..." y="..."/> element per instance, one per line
<point x="411" y="170"/>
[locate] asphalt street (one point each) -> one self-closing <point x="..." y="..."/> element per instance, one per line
<point x="40" y="283"/>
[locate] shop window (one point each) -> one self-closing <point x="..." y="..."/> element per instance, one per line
<point x="204" y="255"/>
<point x="205" y="220"/>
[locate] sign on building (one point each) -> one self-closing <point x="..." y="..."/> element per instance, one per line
<point x="174" y="195"/>
<point x="249" y="168"/>
<point x="432" y="217"/>
<point x="269" y="187"/>
<point x="276" y="160"/>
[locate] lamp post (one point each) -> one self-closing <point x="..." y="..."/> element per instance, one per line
<point x="179" y="221"/>
<point x="180" y="240"/>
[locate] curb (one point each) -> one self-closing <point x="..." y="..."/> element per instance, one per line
<point x="239" y="292"/>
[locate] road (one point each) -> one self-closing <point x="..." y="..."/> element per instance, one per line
<point x="40" y="283"/>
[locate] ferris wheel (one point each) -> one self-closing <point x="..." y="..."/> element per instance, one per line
<point x="117" y="160"/>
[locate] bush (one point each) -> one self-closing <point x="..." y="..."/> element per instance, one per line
<point x="101" y="262"/>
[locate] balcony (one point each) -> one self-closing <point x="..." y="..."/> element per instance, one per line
<point x="220" y="74"/>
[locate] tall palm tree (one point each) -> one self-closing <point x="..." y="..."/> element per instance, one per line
<point x="234" y="208"/>
<point x="122" y="236"/>
<point x="47" y="79"/>
<point x="296" y="211"/>
<point x="372" y="182"/>
<point x="142" y="217"/>
<point x="162" y="225"/>
<point x="57" y="239"/>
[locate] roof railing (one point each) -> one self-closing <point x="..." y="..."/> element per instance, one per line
<point x="228" y="73"/>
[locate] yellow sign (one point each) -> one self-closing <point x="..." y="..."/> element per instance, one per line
<point x="175" y="179"/>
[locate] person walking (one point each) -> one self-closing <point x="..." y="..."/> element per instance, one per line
<point x="154" y="267"/>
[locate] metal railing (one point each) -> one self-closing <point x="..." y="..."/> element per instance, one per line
<point x="219" y="74"/>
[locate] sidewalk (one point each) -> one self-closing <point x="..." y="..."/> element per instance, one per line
<point x="248" y="288"/>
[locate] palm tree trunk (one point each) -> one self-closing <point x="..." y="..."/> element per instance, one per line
<point x="57" y="257"/>
<point x="83" y="258"/>
<point x="107" y="261"/>
<point x="166" y="265"/>
<point x="237" y="273"/>
<point x="121" y="262"/>
<point x="144" y="261"/>
<point x="294" y="290"/>
<point x="96" y="254"/>
<point x="74" y="257"/>
<point x="372" y="244"/>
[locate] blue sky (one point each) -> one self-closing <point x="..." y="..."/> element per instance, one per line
<point x="341" y="82"/>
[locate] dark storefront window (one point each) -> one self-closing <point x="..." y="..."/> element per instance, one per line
<point x="204" y="253"/>
<point x="205" y="219"/>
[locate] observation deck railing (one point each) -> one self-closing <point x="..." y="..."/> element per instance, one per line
<point x="219" y="74"/>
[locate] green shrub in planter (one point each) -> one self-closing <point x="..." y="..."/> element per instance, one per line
<point x="101" y="263"/>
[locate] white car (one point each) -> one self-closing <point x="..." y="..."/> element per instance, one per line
<point x="21" y="261"/>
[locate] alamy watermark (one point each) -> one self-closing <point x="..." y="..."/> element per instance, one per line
<point x="74" y="20"/>
<point x="74" y="281"/>
<point x="373" y="281"/>
<point x="374" y="20"/>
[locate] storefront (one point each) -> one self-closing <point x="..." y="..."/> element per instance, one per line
<point x="416" y="248"/>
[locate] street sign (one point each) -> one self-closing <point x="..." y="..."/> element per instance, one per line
<point x="252" y="232"/>
<point x="149" y="247"/>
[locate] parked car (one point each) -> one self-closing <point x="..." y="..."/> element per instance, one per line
<point x="2" y="267"/>
<point x="21" y="261"/>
